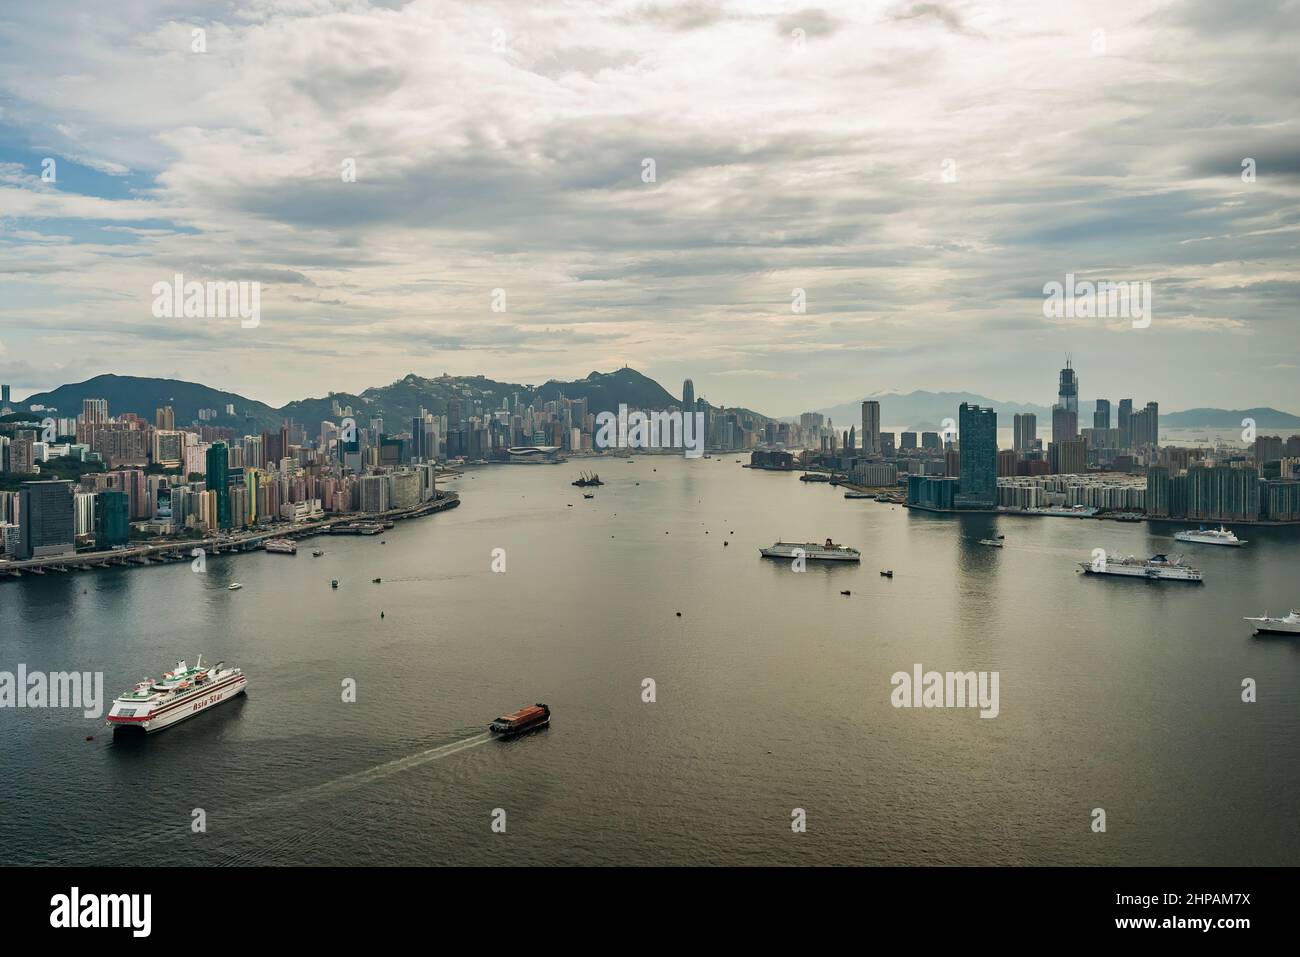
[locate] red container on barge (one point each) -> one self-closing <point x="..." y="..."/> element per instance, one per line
<point x="525" y="719"/>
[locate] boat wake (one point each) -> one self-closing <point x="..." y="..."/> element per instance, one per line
<point x="123" y="845"/>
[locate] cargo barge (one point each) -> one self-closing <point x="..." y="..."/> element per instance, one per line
<point x="525" y="719"/>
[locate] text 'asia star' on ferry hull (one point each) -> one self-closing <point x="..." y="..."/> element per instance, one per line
<point x="179" y="694"/>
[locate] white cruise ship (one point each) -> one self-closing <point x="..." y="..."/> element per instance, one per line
<point x="1210" y="536"/>
<point x="1157" y="567"/>
<point x="178" y="694"/>
<point x="828" y="552"/>
<point x="1289" y="625"/>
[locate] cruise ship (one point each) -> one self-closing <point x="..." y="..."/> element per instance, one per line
<point x="828" y="552"/>
<point x="1157" y="567"/>
<point x="281" y="546"/>
<point x="179" y="694"/>
<point x="1289" y="625"/>
<point x="1210" y="536"/>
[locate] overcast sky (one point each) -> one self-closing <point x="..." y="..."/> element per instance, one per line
<point x="921" y="170"/>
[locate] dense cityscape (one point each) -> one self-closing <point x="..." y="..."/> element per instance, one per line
<point x="123" y="478"/>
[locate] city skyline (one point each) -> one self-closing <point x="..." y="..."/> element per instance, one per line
<point x="788" y="269"/>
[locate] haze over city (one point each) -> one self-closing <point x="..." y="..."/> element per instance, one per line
<point x="919" y="171"/>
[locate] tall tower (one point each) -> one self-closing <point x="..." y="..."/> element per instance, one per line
<point x="1065" y="414"/>
<point x="688" y="396"/>
<point x="871" y="427"/>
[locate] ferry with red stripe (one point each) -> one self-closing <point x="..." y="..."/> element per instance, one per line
<point x="179" y="694"/>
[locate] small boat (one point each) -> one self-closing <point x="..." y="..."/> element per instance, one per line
<point x="517" y="722"/>
<point x="588" y="495"/>
<point x="234" y="586"/>
<point x="334" y="583"/>
<point x="887" y="573"/>
<point x="317" y="553"/>
<point x="846" y="593"/>
<point x="376" y="580"/>
<point x="858" y="495"/>
<point x="991" y="542"/>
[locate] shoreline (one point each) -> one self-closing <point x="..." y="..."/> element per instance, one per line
<point x="169" y="553"/>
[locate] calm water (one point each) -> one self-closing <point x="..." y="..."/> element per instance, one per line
<point x="773" y="690"/>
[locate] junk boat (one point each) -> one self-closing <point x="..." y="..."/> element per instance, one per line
<point x="179" y="694"/>
<point x="517" y="722"/>
<point x="829" y="552"/>
<point x="586" y="479"/>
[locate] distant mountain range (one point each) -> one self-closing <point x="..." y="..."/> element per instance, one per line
<point x="927" y="410"/>
<point x="397" y="402"/>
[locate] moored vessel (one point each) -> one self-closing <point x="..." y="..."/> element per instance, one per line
<point x="525" y="719"/>
<point x="179" y="694"/>
<point x="1210" y="536"/>
<point x="1286" y="625"/>
<point x="281" y="546"/>
<point x="1155" y="568"/>
<point x="828" y="552"/>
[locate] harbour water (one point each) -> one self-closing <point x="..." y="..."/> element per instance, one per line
<point x="772" y="690"/>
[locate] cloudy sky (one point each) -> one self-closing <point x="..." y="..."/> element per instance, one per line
<point x="920" y="170"/>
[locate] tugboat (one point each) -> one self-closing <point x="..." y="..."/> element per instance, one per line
<point x="517" y="722"/>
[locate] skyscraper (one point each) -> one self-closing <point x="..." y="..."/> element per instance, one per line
<point x="217" y="480"/>
<point x="978" y="463"/>
<point x="871" y="427"/>
<point x="1101" y="417"/>
<point x="47" y="521"/>
<point x="1024" y="431"/>
<point x="1068" y="393"/>
<point x="4" y="395"/>
<point x="1125" y="426"/>
<point x="688" y="396"/>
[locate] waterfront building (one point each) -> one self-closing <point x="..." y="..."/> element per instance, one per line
<point x="46" y="520"/>
<point x="112" y="523"/>
<point x="1222" y="493"/>
<point x="978" y="464"/>
<point x="871" y="427"/>
<point x="217" y="480"/>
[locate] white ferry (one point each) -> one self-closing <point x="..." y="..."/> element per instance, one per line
<point x="178" y="694"/>
<point x="829" y="552"/>
<point x="1288" y="625"/>
<point x="281" y="546"/>
<point x="1157" y="567"/>
<point x="1210" y="536"/>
